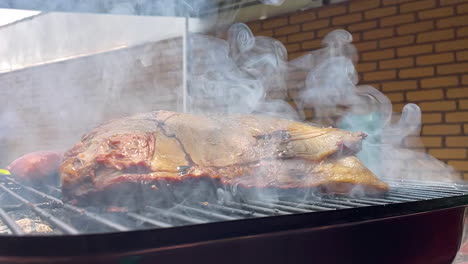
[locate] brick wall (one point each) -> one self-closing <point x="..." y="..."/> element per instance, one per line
<point x="414" y="51"/>
<point x="51" y="106"/>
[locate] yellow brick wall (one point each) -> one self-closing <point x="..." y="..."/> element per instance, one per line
<point x="415" y="51"/>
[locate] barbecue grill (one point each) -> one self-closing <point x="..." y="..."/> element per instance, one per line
<point x="416" y="222"/>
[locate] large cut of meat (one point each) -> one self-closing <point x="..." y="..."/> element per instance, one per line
<point x="249" y="151"/>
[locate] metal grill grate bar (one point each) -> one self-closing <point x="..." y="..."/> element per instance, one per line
<point x="75" y="209"/>
<point x="442" y="192"/>
<point x="13" y="207"/>
<point x="175" y="215"/>
<point x="331" y="205"/>
<point x="148" y="220"/>
<point x="343" y="202"/>
<point x="10" y="223"/>
<point x="440" y="188"/>
<point x="275" y="205"/>
<point x="48" y="198"/>
<point x="419" y="183"/>
<point x="231" y="210"/>
<point x="256" y="208"/>
<point x="412" y="196"/>
<point x="418" y="194"/>
<point x="397" y="199"/>
<point x="203" y="213"/>
<point x="429" y="192"/>
<point x="55" y="189"/>
<point x="409" y="198"/>
<point x="57" y="222"/>
<point x="312" y="208"/>
<point x="365" y="201"/>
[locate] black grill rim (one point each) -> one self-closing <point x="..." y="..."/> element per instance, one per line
<point x="405" y="199"/>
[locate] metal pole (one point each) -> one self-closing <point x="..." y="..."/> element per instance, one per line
<point x="185" y="72"/>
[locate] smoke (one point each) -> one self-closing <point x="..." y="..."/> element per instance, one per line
<point x="237" y="74"/>
<point x="63" y="74"/>
<point x="332" y="90"/>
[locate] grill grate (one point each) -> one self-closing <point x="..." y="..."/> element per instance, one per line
<point x="44" y="206"/>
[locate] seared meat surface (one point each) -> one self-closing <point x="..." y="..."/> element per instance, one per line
<point x="37" y="167"/>
<point x="243" y="150"/>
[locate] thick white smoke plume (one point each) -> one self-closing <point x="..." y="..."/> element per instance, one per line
<point x="235" y="75"/>
<point x="332" y="90"/>
<point x="238" y="74"/>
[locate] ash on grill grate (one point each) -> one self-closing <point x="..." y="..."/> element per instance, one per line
<point x="19" y="219"/>
<point x="27" y="210"/>
<point x="29" y="226"/>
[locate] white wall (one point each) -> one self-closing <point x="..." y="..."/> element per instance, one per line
<point x="50" y="105"/>
<point x="59" y="36"/>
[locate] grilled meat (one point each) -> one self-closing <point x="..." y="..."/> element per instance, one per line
<point x="246" y="150"/>
<point x="39" y="166"/>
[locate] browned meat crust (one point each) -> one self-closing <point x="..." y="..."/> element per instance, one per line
<point x="237" y="150"/>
